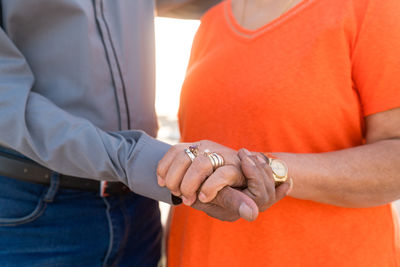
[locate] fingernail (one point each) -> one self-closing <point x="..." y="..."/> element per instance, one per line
<point x="245" y="212"/>
<point x="160" y="181"/>
<point x="202" y="197"/>
<point x="250" y="161"/>
<point x="261" y="159"/>
<point x="247" y="152"/>
<point x="186" y="201"/>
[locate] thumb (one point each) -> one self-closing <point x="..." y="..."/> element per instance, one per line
<point x="238" y="203"/>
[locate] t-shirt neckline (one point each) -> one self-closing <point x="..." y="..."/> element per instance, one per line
<point x="249" y="34"/>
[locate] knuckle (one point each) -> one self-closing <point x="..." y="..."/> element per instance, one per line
<point x="182" y="158"/>
<point x="209" y="191"/>
<point x="160" y="169"/>
<point x="262" y="198"/>
<point x="230" y="175"/>
<point x="186" y="189"/>
<point x="205" y="142"/>
<point x="174" y="148"/>
<point x="267" y="169"/>
<point x="201" y="164"/>
<point x="206" y="189"/>
<point x="171" y="185"/>
<point x="229" y="171"/>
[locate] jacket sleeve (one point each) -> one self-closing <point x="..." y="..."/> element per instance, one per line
<point x="34" y="126"/>
<point x="184" y="9"/>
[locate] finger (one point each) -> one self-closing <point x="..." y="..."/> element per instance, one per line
<point x="255" y="176"/>
<point x="165" y="163"/>
<point x="227" y="175"/>
<point x="176" y="172"/>
<point x="196" y="174"/>
<point x="283" y="190"/>
<point x="236" y="202"/>
<point x="215" y="211"/>
<point x="269" y="182"/>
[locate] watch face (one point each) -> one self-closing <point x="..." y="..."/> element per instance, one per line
<point x="279" y="168"/>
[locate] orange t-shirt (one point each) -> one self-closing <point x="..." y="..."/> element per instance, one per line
<point x="302" y="83"/>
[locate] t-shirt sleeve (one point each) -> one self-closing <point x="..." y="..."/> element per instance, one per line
<point x="376" y="56"/>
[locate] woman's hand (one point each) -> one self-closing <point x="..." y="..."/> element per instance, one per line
<point x="231" y="204"/>
<point x="184" y="178"/>
<point x="260" y="182"/>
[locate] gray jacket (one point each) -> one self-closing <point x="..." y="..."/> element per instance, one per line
<point x="75" y="77"/>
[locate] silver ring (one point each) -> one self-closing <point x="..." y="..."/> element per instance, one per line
<point x="213" y="161"/>
<point x="220" y="159"/>
<point x="190" y="154"/>
<point x="216" y="160"/>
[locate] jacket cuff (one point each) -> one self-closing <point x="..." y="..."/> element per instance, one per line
<point x="141" y="172"/>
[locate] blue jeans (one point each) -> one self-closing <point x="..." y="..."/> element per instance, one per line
<point x="50" y="226"/>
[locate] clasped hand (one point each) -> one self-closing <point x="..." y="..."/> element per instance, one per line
<point x="241" y="188"/>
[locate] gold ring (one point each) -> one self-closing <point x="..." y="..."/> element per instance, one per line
<point x="194" y="149"/>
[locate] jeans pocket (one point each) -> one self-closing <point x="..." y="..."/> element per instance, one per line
<point x="20" y="202"/>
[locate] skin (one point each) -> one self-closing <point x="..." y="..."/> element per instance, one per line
<point x="363" y="176"/>
<point x="246" y="171"/>
<point x="247" y="12"/>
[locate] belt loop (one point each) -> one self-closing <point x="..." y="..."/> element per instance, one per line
<point x="103" y="189"/>
<point x="53" y="188"/>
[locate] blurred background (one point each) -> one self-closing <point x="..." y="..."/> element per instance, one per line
<point x="173" y="41"/>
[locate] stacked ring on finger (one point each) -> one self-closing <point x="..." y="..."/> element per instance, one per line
<point x="194" y="149"/>
<point x="216" y="160"/>
<point x="190" y="154"/>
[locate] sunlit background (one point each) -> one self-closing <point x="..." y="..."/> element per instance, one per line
<point x="173" y="41"/>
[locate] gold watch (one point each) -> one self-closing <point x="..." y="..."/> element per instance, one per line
<point x="279" y="169"/>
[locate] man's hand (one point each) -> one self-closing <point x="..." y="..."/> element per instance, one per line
<point x="183" y="177"/>
<point x="229" y="205"/>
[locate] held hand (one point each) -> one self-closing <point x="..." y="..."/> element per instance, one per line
<point x="184" y="178"/>
<point x="231" y="204"/>
<point x="260" y="181"/>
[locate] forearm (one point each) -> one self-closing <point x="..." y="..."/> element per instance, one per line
<point x="34" y="126"/>
<point x="363" y="176"/>
<point x="74" y="146"/>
